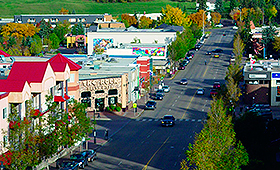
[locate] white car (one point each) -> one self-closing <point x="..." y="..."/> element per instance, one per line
<point x="200" y="91"/>
<point x="166" y="88"/>
<point x="235" y="27"/>
<point x="219" y="25"/>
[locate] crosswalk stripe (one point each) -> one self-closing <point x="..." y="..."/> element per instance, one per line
<point x="144" y="120"/>
<point x="151" y="120"/>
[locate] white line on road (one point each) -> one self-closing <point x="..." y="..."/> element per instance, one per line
<point x="143" y="120"/>
<point x="148" y="136"/>
<point x="203" y="110"/>
<point x="175" y="100"/>
<point x="179" y="155"/>
<point x="187" y="119"/>
<point x="120" y="163"/>
<point x="128" y="155"/>
<point x="199" y="120"/>
<point x="193" y="120"/>
<point x="151" y="120"/>
<point x="175" y="164"/>
<point x="169" y="110"/>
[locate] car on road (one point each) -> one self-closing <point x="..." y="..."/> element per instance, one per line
<point x="166" y="88"/>
<point x="208" y="52"/>
<point x="168" y="120"/>
<point x="216" y="55"/>
<point x="90" y="155"/>
<point x="217" y="50"/>
<point x="216" y="85"/>
<point x="161" y="91"/>
<point x="80" y="158"/>
<point x="181" y="67"/>
<point x="198" y="46"/>
<point x="235" y="27"/>
<point x="184" y="81"/>
<point x="219" y="25"/>
<point x="190" y="54"/>
<point x="200" y="91"/>
<point x="213" y="92"/>
<point x="157" y="96"/>
<point x="150" y="105"/>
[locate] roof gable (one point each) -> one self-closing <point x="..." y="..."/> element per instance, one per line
<point x="58" y="67"/>
<point x="33" y="72"/>
<point x="12" y="85"/>
<point x="62" y="59"/>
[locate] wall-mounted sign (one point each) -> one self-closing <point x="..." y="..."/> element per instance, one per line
<point x="275" y="75"/>
<point x="253" y="76"/>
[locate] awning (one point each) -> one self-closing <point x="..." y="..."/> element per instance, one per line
<point x="66" y="97"/>
<point x="59" y="99"/>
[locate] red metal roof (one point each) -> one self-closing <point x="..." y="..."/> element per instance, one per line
<point x="4" y="95"/>
<point x="33" y="72"/>
<point x="11" y="85"/>
<point x="4" y="54"/>
<point x="58" y="67"/>
<point x="61" y="59"/>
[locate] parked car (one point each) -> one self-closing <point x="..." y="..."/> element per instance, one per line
<point x="69" y="165"/>
<point x="90" y="155"/>
<point x="185" y="62"/>
<point x="157" y="96"/>
<point x="181" y="67"/>
<point x="184" y="81"/>
<point x="166" y="88"/>
<point x="200" y="91"/>
<point x="81" y="159"/>
<point x="216" y="85"/>
<point x="198" y="46"/>
<point x="168" y="120"/>
<point x="62" y="162"/>
<point x="160" y="91"/>
<point x="213" y="92"/>
<point x="218" y="50"/>
<point x="235" y="27"/>
<point x="151" y="105"/>
<point x="190" y="54"/>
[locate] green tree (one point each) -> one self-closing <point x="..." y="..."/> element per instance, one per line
<point x="36" y="45"/>
<point x="270" y="12"/>
<point x="78" y="29"/>
<point x="216" y="146"/>
<point x="145" y="22"/>
<point x="174" y="16"/>
<point x="61" y="30"/>
<point x="233" y="4"/>
<point x="54" y="41"/>
<point x="219" y="6"/>
<point x="268" y="36"/>
<point x="202" y="5"/>
<point x="276" y="44"/>
<point x="45" y="29"/>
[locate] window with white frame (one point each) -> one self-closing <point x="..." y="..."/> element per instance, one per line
<point x="5" y="113"/>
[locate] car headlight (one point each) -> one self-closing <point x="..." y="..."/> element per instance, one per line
<point x="80" y="163"/>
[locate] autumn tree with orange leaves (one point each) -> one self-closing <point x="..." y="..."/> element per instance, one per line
<point x="128" y="20"/>
<point x="197" y="18"/>
<point x="63" y="11"/>
<point x="174" y="16"/>
<point x="216" y="17"/>
<point x="145" y="22"/>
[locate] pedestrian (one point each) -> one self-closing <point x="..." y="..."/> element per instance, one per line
<point x="205" y="62"/>
<point x="106" y="134"/>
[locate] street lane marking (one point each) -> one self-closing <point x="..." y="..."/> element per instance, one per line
<point x="207" y="67"/>
<point x="120" y="163"/>
<point x="193" y="120"/>
<point x="146" y="166"/>
<point x="188" y="105"/>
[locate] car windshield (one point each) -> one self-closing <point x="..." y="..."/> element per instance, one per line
<point x="67" y="164"/>
<point x="150" y="102"/>
<point x="165" y="87"/>
<point x="76" y="157"/>
<point x="199" y="89"/>
<point x="184" y="80"/>
<point x="168" y="117"/>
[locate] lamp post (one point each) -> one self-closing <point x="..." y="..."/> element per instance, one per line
<point x="203" y="33"/>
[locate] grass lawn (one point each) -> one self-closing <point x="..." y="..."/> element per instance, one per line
<point x="9" y="8"/>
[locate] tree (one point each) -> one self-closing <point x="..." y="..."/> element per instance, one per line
<point x="128" y="20"/>
<point x="233" y="4"/>
<point x="270" y="12"/>
<point x="174" y="16"/>
<point x="54" y="41"/>
<point x="276" y="44"/>
<point x="197" y="18"/>
<point x="216" y="17"/>
<point x="18" y="30"/>
<point x="78" y="29"/>
<point x="36" y="45"/>
<point x="202" y="5"/>
<point x="145" y="22"/>
<point x="61" y="30"/>
<point x="63" y="11"/>
<point x="45" y="29"/>
<point x="216" y="146"/>
<point x="268" y="36"/>
<point x="219" y="6"/>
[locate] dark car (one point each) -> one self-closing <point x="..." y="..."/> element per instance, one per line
<point x="181" y="67"/>
<point x="213" y="92"/>
<point x="90" y="154"/>
<point x="218" y="50"/>
<point x="198" y="46"/>
<point x="62" y="162"/>
<point x="208" y="52"/>
<point x="157" y="96"/>
<point x="190" y="54"/>
<point x="216" y="85"/>
<point x="69" y="165"/>
<point x="184" y="81"/>
<point x="151" y="105"/>
<point x="168" y="120"/>
<point x="81" y="159"/>
<point x="185" y="62"/>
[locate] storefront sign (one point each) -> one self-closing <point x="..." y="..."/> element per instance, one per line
<point x="253" y="76"/>
<point x="275" y="75"/>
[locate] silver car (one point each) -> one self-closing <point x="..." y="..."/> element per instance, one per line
<point x="200" y="91"/>
<point x="184" y="81"/>
<point x="166" y="88"/>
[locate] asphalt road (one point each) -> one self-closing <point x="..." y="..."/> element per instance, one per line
<point x="142" y="143"/>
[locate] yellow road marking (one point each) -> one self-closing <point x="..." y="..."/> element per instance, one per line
<point x="146" y="166"/>
<point x="206" y="68"/>
<point x="189" y="105"/>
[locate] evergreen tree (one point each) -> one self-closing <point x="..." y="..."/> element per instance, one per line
<point x="78" y="29"/>
<point x="219" y="6"/>
<point x="233" y="4"/>
<point x="202" y="5"/>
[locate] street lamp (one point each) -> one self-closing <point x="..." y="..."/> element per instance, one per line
<point x="203" y="33"/>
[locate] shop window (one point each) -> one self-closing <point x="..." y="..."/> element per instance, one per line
<point x="278" y="99"/>
<point x="86" y="94"/>
<point x="112" y="100"/>
<point x="87" y="101"/>
<point x="99" y="91"/>
<point x="278" y="82"/>
<point x="278" y="90"/>
<point x="113" y="92"/>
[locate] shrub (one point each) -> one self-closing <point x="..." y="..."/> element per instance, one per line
<point x="118" y="109"/>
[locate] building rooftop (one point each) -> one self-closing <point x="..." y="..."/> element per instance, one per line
<point x="263" y="66"/>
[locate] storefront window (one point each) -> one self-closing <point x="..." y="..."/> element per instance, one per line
<point x="113" y="92"/>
